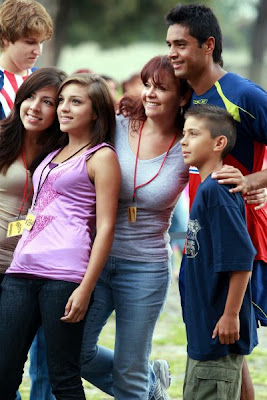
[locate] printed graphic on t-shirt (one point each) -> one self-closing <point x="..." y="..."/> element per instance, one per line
<point x="192" y="244"/>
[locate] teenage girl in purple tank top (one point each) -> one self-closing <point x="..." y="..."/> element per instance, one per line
<point x="67" y="236"/>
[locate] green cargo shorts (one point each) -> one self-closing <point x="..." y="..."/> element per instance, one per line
<point x="213" y="380"/>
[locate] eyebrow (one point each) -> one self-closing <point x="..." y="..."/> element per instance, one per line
<point x="72" y="96"/>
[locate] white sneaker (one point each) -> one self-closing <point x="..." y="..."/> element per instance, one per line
<point x="163" y="379"/>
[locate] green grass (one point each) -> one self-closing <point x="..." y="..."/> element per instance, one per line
<point x="170" y="343"/>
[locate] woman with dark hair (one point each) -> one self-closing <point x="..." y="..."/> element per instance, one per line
<point x="20" y="151"/>
<point x="136" y="277"/>
<point x="67" y="236"/>
<point x="25" y="139"/>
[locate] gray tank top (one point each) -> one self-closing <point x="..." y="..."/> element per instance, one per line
<point x="147" y="239"/>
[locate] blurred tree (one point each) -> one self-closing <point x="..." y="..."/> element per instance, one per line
<point x="121" y="22"/>
<point x="110" y="23"/>
<point x="258" y="43"/>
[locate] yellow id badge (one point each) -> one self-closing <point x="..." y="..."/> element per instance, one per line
<point x="132" y="211"/>
<point x="29" y="221"/>
<point x="15" y="228"/>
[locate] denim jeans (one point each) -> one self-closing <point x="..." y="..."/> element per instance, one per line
<point x="40" y="384"/>
<point x="25" y="304"/>
<point x="136" y="291"/>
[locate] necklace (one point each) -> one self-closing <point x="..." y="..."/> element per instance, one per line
<point x="54" y="166"/>
<point x="132" y="211"/>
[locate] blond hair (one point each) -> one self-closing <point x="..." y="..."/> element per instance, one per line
<point x="24" y="18"/>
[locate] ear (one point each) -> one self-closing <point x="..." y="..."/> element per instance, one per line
<point x="220" y="143"/>
<point x="5" y="41"/>
<point x="209" y="45"/>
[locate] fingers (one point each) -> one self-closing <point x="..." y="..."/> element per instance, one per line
<point x="258" y="197"/>
<point x="72" y="313"/>
<point x="215" y="332"/>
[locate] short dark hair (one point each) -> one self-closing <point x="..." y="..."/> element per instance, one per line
<point x="219" y="122"/>
<point x="201" y="22"/>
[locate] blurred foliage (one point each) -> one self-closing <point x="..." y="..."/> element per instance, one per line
<point x="115" y="22"/>
<point x="121" y="22"/>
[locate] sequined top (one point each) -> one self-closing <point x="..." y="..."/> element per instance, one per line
<point x="59" y="244"/>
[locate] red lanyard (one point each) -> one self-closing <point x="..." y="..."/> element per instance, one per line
<point x="25" y="195"/>
<point x="136" y="162"/>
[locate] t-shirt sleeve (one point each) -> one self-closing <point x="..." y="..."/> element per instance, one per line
<point x="254" y="112"/>
<point x="231" y="245"/>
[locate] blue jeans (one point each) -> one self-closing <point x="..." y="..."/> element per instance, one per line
<point x="40" y="384"/>
<point x="136" y="291"/>
<point x="25" y="304"/>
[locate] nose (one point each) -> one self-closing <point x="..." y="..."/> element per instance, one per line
<point x="35" y="105"/>
<point x="150" y="91"/>
<point x="183" y="141"/>
<point x="38" y="48"/>
<point x="63" y="106"/>
<point x="172" y="53"/>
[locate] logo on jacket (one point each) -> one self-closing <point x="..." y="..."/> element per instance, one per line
<point x="192" y="244"/>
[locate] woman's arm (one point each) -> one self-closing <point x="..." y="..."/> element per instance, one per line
<point x="104" y="170"/>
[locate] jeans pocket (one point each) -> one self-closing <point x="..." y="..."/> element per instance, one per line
<point x="214" y="383"/>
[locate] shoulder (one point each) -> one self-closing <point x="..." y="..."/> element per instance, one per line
<point x="216" y="194"/>
<point x="243" y="86"/>
<point x="103" y="158"/>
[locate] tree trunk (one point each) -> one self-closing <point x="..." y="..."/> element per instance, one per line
<point x="60" y="11"/>
<point x="258" y="44"/>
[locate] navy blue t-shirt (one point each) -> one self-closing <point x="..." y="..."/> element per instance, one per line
<point x="217" y="243"/>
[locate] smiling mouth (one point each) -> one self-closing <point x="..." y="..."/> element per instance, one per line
<point x="151" y="103"/>
<point x="33" y="117"/>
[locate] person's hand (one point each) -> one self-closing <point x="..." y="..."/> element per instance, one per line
<point x="227" y="328"/>
<point x="258" y="197"/>
<point x="230" y="175"/>
<point x="76" y="306"/>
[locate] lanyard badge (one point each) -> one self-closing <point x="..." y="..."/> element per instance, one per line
<point x="132" y="210"/>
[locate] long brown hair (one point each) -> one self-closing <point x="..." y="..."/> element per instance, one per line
<point x="102" y="103"/>
<point x="12" y="129"/>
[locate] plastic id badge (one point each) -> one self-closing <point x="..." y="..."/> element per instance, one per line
<point x="30" y="220"/>
<point x="15" y="228"/>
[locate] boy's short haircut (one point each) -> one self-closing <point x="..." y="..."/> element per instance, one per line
<point x="219" y="122"/>
<point x="24" y="18"/>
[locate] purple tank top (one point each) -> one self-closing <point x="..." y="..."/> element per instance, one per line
<point x="59" y="244"/>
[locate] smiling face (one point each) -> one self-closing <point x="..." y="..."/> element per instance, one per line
<point x="75" y="110"/>
<point x="187" y="58"/>
<point x="161" y="99"/>
<point x="38" y="111"/>
<point x="21" y="55"/>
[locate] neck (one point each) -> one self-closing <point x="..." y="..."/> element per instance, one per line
<point x="76" y="143"/>
<point x="8" y="65"/>
<point x="30" y="140"/>
<point x="161" y="127"/>
<point x="204" y="81"/>
<point x="210" y="166"/>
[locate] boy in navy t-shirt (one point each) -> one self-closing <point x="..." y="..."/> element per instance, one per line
<point x="219" y="317"/>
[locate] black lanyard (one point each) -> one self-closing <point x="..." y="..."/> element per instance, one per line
<point x="40" y="179"/>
